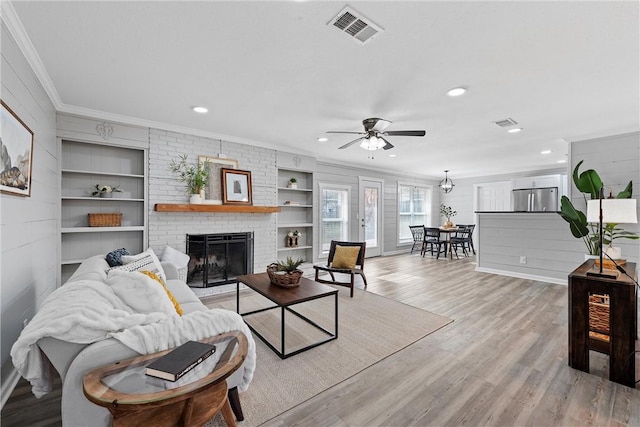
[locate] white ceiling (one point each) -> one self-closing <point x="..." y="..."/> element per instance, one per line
<point x="274" y="74"/>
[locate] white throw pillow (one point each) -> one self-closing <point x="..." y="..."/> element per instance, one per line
<point x="174" y="256"/>
<point x="140" y="292"/>
<point x="146" y="260"/>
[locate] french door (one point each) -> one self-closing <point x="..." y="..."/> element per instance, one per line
<point x="370" y="215"/>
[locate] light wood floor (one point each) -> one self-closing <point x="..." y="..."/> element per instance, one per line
<point x="502" y="362"/>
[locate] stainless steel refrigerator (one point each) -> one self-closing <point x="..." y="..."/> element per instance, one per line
<point x="535" y="199"/>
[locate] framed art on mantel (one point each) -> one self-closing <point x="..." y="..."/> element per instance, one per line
<point x="213" y="192"/>
<point x="236" y="187"/>
<point x="16" y="154"/>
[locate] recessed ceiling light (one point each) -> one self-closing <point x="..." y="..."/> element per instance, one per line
<point x="514" y="130"/>
<point x="323" y="139"/>
<point x="200" y="110"/>
<point x="457" y="91"/>
<point x="562" y="161"/>
<point x="545" y="152"/>
<point x="392" y="155"/>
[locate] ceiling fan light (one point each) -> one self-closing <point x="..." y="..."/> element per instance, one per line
<point x="372" y="143"/>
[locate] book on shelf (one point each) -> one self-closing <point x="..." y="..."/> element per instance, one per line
<point x="180" y="360"/>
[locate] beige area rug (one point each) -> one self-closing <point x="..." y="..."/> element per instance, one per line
<point x="370" y="328"/>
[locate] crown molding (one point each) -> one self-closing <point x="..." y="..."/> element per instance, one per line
<point x="19" y="34"/>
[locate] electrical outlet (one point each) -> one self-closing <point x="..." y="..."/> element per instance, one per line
<point x="523" y="260"/>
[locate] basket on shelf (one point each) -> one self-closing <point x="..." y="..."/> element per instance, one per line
<point x="282" y="278"/>
<point x="599" y="313"/>
<point x="105" y="219"/>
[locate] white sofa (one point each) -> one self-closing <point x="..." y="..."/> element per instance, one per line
<point x="72" y="360"/>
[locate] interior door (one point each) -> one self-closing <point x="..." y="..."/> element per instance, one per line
<point x="370" y="215"/>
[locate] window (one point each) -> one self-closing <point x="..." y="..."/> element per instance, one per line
<point x="334" y="214"/>
<point x="414" y="207"/>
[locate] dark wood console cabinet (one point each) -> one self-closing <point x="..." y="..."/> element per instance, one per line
<point x="622" y="321"/>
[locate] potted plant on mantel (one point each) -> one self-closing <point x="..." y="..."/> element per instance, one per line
<point x="195" y="177"/>
<point x="589" y="183"/>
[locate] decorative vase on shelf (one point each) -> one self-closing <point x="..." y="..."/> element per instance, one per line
<point x="202" y="194"/>
<point x="293" y="185"/>
<point x="195" y="199"/>
<point x="106" y="195"/>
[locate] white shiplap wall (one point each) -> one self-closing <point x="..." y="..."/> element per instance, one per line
<point x="29" y="224"/>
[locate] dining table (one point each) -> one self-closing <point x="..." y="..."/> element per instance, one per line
<point x="448" y="231"/>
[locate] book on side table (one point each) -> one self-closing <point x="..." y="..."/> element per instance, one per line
<point x="180" y="360"/>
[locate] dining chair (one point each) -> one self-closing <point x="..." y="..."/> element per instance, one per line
<point x="417" y="232"/>
<point x="432" y="239"/>
<point x="471" y="227"/>
<point x="461" y="239"/>
<point x="344" y="258"/>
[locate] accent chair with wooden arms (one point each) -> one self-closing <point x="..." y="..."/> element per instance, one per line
<point x="344" y="258"/>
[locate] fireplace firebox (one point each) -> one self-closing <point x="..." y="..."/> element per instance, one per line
<point x="217" y="259"/>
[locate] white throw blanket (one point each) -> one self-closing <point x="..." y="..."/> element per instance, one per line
<point x="87" y="311"/>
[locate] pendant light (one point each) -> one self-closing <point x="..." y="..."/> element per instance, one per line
<point x="446" y="184"/>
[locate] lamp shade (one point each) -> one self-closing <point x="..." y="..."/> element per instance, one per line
<point x="614" y="211"/>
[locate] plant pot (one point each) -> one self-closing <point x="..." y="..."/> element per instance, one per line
<point x="195" y="199"/>
<point x="292" y="185"/>
<point x="282" y="278"/>
<point x="448" y="224"/>
<point x="106" y="195"/>
<point x="614" y="252"/>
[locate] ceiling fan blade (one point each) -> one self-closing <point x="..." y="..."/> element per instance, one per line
<point x="406" y="133"/>
<point x="349" y="144"/>
<point x="338" y="131"/>
<point x="388" y="145"/>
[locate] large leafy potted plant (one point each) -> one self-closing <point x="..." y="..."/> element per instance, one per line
<point x="589" y="184"/>
<point x="196" y="177"/>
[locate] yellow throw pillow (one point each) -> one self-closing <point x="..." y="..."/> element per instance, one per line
<point x="345" y="256"/>
<point x="173" y="299"/>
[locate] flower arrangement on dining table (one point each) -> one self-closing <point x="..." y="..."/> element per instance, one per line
<point x="447" y="212"/>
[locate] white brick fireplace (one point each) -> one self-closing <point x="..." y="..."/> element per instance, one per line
<point x="171" y="228"/>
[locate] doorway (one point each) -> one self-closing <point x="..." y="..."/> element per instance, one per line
<point x="370" y="215"/>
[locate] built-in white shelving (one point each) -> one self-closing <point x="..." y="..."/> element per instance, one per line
<point x="296" y="214"/>
<point x="85" y="165"/>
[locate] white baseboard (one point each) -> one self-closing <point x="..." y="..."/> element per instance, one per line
<point x="523" y="276"/>
<point x="8" y="386"/>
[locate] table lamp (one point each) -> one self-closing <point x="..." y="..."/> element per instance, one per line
<point x="609" y="211"/>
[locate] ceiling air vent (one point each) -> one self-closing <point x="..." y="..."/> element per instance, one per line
<point x="506" y="123"/>
<point x="356" y="26"/>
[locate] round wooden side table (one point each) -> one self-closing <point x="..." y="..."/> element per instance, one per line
<point x="134" y="398"/>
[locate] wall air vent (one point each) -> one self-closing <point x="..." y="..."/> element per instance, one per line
<point x="506" y="123"/>
<point x="356" y="26"/>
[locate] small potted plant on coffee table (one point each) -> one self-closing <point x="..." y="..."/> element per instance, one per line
<point x="285" y="273"/>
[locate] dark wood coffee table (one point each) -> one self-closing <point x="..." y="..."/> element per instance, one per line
<point x="284" y="298"/>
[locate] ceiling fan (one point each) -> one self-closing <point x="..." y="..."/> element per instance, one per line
<point x="374" y="134"/>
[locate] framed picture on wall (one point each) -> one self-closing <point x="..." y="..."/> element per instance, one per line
<point x="236" y="187"/>
<point x="16" y="154"/>
<point x="213" y="192"/>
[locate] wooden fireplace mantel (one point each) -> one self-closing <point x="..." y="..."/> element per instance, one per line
<point x="186" y="207"/>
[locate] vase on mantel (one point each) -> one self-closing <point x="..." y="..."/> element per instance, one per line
<point x="195" y="199"/>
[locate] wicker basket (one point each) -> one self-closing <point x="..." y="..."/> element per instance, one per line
<point x="286" y="280"/>
<point x="105" y="219"/>
<point x="599" y="313"/>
